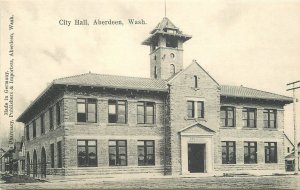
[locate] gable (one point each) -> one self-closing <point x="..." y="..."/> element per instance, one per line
<point x="187" y="76"/>
<point x="196" y="129"/>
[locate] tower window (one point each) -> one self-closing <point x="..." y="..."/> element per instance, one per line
<point x="154" y="57"/>
<point x="155" y="72"/>
<point x="171" y="42"/>
<point x="196" y="81"/>
<point x="172" y="69"/>
<point x="172" y="55"/>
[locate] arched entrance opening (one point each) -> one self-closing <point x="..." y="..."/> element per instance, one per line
<point x="43" y="163"/>
<point x="28" y="163"/>
<point x="34" y="164"/>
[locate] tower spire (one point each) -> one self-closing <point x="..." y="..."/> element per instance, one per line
<point x="165" y="8"/>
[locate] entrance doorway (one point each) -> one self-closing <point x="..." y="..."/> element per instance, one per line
<point x="196" y="158"/>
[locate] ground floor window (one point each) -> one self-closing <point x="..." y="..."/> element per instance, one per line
<point x="59" y="155"/>
<point x="228" y="152"/>
<point x="117" y="152"/>
<point x="270" y="152"/>
<point x="87" y="153"/>
<point x="52" y="155"/>
<point x="250" y="152"/>
<point x="146" y="155"/>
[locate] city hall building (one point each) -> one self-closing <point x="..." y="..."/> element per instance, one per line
<point x="180" y="121"/>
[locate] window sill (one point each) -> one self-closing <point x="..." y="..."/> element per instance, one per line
<point x="250" y="128"/>
<point x="196" y="119"/>
<point x="270" y="129"/>
<point x="86" y="123"/>
<point x="117" y="124"/>
<point x="228" y="127"/>
<point x="145" y="125"/>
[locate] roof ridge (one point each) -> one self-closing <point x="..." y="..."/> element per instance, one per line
<point x="266" y="91"/>
<point x="242" y="86"/>
<point x="99" y="74"/>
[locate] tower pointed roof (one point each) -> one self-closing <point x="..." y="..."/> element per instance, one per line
<point x="166" y="23"/>
<point x="163" y="28"/>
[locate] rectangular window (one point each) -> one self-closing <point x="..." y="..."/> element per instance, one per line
<point x="270" y="152"/>
<point x="42" y="123"/>
<point x="27" y="132"/>
<point x="59" y="155"/>
<point x="269" y="118"/>
<point x="118" y="153"/>
<point x="195" y="109"/>
<point x="228" y="152"/>
<point x="87" y="153"/>
<point x="52" y="155"/>
<point x="117" y="111"/>
<point x="145" y="112"/>
<point x="146" y="153"/>
<point x="249" y="117"/>
<point x="58" y="116"/>
<point x="51" y="118"/>
<point x="34" y="129"/>
<point x="86" y="110"/>
<point x="250" y="152"/>
<point x="227" y="116"/>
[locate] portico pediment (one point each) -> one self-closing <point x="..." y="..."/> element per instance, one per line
<point x="196" y="129"/>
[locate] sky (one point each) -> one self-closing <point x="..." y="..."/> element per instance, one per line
<point x="250" y="43"/>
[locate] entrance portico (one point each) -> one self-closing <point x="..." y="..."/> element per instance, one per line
<point x="196" y="149"/>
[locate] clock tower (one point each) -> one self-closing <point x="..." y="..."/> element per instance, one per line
<point x="166" y="49"/>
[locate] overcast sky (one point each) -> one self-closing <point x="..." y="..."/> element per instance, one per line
<point x="250" y="43"/>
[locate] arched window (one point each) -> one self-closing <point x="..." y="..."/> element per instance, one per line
<point x="172" y="69"/>
<point x="34" y="164"/>
<point x="28" y="164"/>
<point x="155" y="72"/>
<point x="195" y="81"/>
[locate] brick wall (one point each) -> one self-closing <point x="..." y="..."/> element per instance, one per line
<point x="102" y="131"/>
<point x="240" y="134"/>
<point x="182" y="89"/>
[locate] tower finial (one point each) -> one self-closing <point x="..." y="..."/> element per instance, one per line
<point x="165" y="8"/>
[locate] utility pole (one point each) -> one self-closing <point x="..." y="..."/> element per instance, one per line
<point x="293" y="88"/>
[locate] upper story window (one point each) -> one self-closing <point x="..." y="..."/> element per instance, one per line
<point x="87" y="153"/>
<point x="250" y="152"/>
<point x="155" y="72"/>
<point x="172" y="69"/>
<point x="86" y="110"/>
<point x="51" y="118"/>
<point x="228" y="152"/>
<point x="195" y="109"/>
<point x="249" y="117"/>
<point x="58" y="113"/>
<point x="270" y="152"/>
<point x="34" y="129"/>
<point x="42" y="123"/>
<point x="145" y="112"/>
<point x="227" y="116"/>
<point x="269" y="118"/>
<point x="146" y="155"/>
<point x="27" y="132"/>
<point x="117" y="111"/>
<point x="195" y="81"/>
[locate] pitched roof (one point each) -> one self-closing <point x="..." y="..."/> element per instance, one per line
<point x="114" y="81"/>
<point x="165" y="23"/>
<point x="245" y="92"/>
<point x="138" y="83"/>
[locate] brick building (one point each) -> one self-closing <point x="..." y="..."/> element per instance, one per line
<point x="177" y="122"/>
